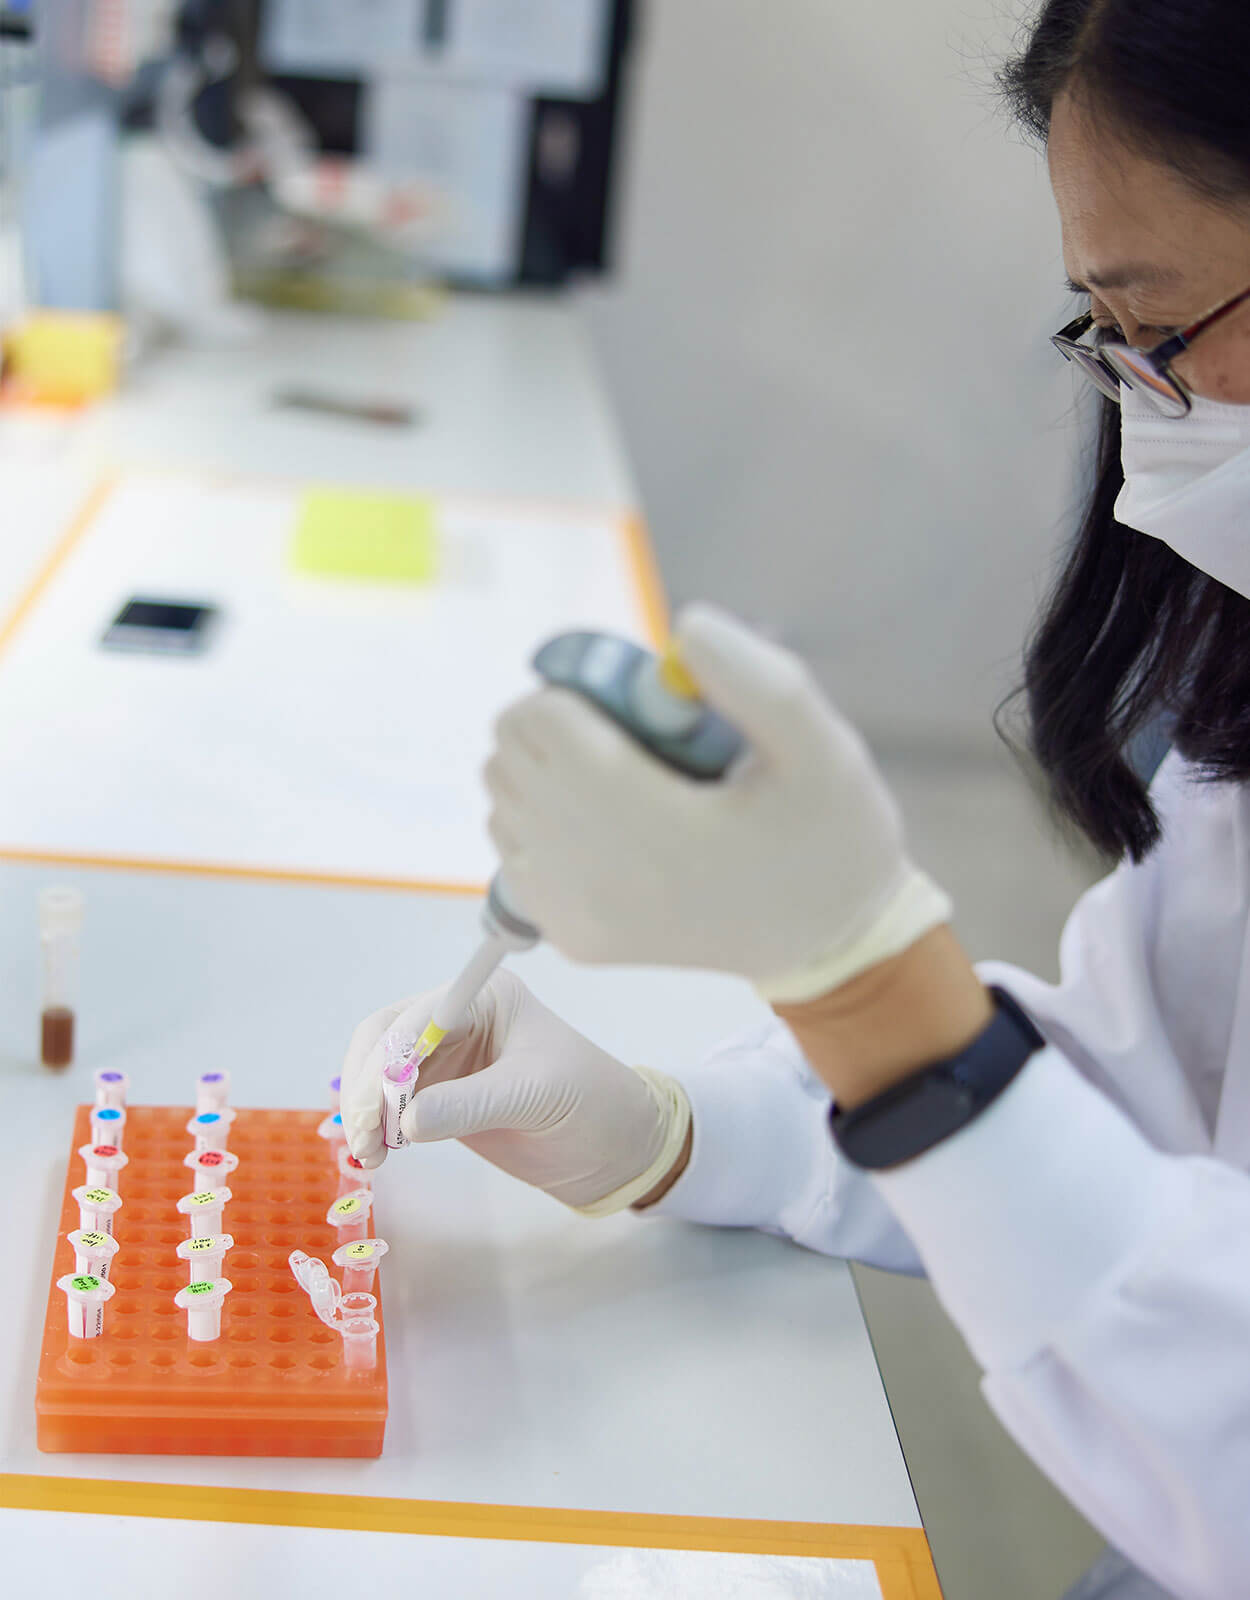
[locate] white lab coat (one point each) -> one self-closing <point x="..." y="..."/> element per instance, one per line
<point x="1090" y="1233"/>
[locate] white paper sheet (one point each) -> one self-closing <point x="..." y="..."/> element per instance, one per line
<point x="469" y="145"/>
<point x="331" y="727"/>
<point x="548" y="47"/>
<point x="210" y="1559"/>
<point x="336" y="39"/>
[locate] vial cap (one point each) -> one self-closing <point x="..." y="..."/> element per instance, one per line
<point x="92" y="1239"/>
<point x="85" y="1283"/>
<point x="60" y="911"/>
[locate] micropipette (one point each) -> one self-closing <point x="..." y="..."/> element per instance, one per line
<point x="504" y="931"/>
<point x="655" y="701"/>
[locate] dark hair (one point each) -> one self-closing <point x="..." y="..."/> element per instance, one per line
<point x="1130" y="632"/>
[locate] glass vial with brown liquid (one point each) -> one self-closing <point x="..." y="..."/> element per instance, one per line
<point x="60" y="924"/>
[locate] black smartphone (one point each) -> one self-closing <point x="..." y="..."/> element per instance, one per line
<point x="160" y="627"/>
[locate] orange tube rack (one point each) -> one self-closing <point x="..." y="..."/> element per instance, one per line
<point x="274" y="1384"/>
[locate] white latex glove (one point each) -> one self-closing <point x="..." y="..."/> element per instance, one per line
<point x="526" y="1091"/>
<point x="790" y="872"/>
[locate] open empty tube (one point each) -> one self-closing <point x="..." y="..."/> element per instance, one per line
<point x="360" y="1344"/>
<point x="323" y="1290"/>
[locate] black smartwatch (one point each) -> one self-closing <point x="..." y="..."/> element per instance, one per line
<point x="911" y="1117"/>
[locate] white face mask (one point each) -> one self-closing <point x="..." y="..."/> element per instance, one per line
<point x="1187" y="482"/>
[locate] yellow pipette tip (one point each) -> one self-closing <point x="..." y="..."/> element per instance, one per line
<point x="675" y="675"/>
<point x="429" y="1041"/>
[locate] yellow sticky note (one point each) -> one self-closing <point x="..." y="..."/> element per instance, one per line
<point x="64" y="357"/>
<point x="347" y="534"/>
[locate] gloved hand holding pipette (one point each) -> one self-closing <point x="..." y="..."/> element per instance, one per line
<point x="527" y="1092"/>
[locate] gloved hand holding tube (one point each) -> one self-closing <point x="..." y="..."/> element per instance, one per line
<point x="755" y="837"/>
<point x="527" y="1092"/>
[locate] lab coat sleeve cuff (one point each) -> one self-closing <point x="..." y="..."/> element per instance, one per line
<point x="1022" y="1214"/>
<point x="757" y="1157"/>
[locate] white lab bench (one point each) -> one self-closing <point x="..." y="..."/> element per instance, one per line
<point x="562" y="1391"/>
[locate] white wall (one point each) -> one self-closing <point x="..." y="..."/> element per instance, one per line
<point x="826" y="340"/>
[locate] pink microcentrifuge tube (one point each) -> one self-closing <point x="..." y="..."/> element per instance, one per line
<point x="104" y="1163"/>
<point x="87" y="1296"/>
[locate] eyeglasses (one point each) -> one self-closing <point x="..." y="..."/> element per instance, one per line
<point x="1147" y="372"/>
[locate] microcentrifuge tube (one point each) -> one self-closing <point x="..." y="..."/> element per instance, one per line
<point x="358" y="1262"/>
<point x="331" y="1129"/>
<point x="60" y="924"/>
<point x="202" y="1303"/>
<point x="93" y="1252"/>
<point x="104" y="1163"/>
<point x="205" y="1254"/>
<point x="212" y="1091"/>
<point x="360" y="1344"/>
<point x="399" y="1082"/>
<point x="87" y="1296"/>
<point x="108" y="1125"/>
<point x="336" y="1085"/>
<point x="211" y="1129"/>
<point x="210" y="1167"/>
<point x="204" y="1208"/>
<point x="97" y="1207"/>
<point x="357" y="1304"/>
<point x="351" y="1174"/>
<point x="111" y="1088"/>
<point x="323" y="1290"/>
<point x="350" y="1215"/>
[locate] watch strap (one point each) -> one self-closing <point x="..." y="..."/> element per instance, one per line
<point x="913" y="1115"/>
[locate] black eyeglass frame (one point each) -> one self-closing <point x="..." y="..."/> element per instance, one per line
<point x="1093" y="359"/>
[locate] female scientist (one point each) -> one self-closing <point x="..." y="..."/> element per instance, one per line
<point x="1070" y="1165"/>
